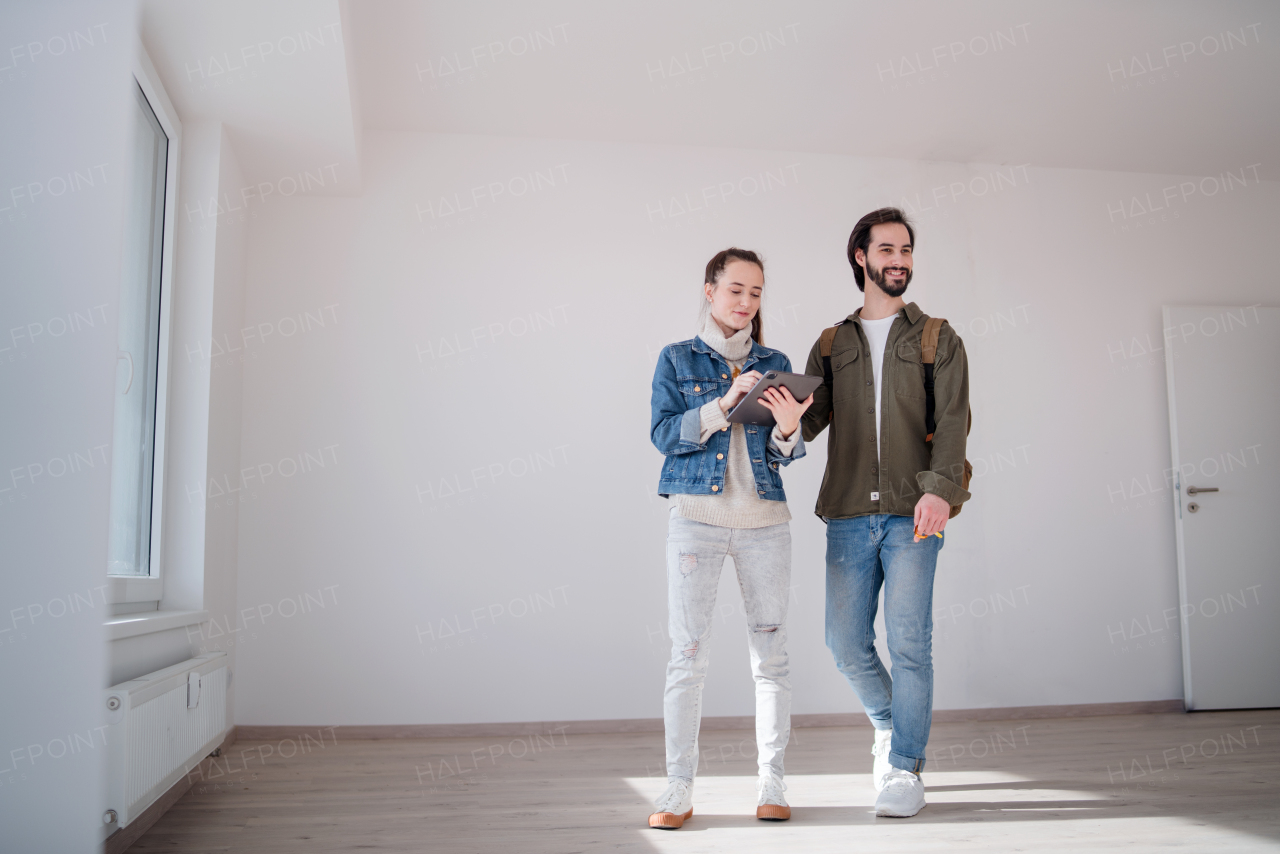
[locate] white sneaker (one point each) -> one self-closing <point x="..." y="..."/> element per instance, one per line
<point x="674" y="808"/>
<point x="902" y="795"/>
<point x="773" y="806"/>
<point x="880" y="765"/>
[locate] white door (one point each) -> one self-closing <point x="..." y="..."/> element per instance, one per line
<point x="1223" y="369"/>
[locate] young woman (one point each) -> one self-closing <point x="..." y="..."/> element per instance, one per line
<point x="726" y="499"/>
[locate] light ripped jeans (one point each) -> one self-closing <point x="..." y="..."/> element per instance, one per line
<point x="695" y="557"/>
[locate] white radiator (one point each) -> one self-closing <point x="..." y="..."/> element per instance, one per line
<point x="159" y="727"/>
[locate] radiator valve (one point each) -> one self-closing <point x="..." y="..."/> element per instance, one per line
<point x="115" y="708"/>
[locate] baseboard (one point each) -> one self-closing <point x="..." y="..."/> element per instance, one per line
<point x="742" y="722"/>
<point x="1082" y="710"/>
<point x="120" y="841"/>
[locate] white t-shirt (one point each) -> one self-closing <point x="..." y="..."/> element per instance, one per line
<point x="877" y="332"/>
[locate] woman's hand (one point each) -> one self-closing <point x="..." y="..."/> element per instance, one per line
<point x="741" y="386"/>
<point x="786" y="410"/>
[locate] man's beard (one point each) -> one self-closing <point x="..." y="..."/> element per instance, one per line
<point x="878" y="276"/>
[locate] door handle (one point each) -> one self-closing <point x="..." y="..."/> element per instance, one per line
<point x="1194" y="490"/>
<point x="125" y="354"/>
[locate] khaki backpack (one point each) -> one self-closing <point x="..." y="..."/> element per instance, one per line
<point x="928" y="354"/>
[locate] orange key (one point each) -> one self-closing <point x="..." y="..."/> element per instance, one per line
<point x="919" y="536"/>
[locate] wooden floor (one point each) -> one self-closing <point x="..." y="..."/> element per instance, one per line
<point x="1203" y="782"/>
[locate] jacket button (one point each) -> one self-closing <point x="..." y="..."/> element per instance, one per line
<point x="722" y="429"/>
<point x="715" y="488"/>
<point x="719" y="456"/>
<point x="775" y="466"/>
<point x="873" y="469"/>
<point x="871" y="438"/>
<point x="761" y="491"/>
<point x="724" y="376"/>
<point x="697" y="388"/>
<point x="871" y="409"/>
<point x="868" y="382"/>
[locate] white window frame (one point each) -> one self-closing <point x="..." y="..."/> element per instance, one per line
<point x="123" y="589"/>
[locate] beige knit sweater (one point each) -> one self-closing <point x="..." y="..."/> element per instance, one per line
<point x="739" y="505"/>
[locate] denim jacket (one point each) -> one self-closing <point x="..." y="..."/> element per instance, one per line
<point x="690" y="374"/>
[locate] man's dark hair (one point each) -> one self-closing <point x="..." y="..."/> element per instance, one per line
<point x="861" y="237"/>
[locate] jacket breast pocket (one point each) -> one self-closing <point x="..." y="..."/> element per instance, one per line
<point x="697" y="391"/>
<point x="846" y="376"/>
<point x="908" y="380"/>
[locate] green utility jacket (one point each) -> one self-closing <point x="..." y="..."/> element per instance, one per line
<point x="856" y="483"/>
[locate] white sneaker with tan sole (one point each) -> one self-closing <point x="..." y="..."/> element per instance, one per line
<point x="772" y="806"/>
<point x="902" y="795"/>
<point x="674" y="808"/>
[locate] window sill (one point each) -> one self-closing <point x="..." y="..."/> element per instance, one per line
<point x="132" y="625"/>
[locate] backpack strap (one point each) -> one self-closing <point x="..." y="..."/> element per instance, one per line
<point x="928" y="353"/>
<point x="824" y="349"/>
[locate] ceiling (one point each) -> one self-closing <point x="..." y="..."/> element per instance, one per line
<point x="277" y="73"/>
<point x="1161" y="87"/>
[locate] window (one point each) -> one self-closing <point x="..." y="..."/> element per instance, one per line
<point x="132" y="552"/>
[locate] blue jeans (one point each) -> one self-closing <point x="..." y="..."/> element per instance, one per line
<point x="695" y="557"/>
<point x="863" y="554"/>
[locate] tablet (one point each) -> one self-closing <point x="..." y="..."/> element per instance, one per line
<point x="750" y="411"/>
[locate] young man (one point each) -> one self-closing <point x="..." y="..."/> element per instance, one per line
<point x="886" y="497"/>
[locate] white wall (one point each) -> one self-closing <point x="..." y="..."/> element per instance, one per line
<point x="1054" y="292"/>
<point x="65" y="111"/>
<point x="226" y="371"/>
